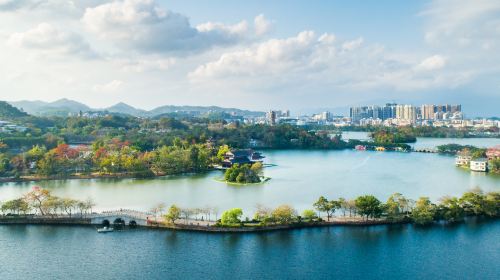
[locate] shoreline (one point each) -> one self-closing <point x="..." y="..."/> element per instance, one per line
<point x="83" y="221"/>
<point x="92" y="176"/>
<point x="191" y="227"/>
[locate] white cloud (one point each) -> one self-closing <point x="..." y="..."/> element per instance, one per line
<point x="434" y="62"/>
<point x="14" y="5"/>
<point x="352" y="45"/>
<point x="146" y="64"/>
<point x="108" y="87"/>
<point x="307" y="60"/>
<point x="463" y="23"/>
<point x="51" y="40"/>
<point x="262" y="25"/>
<point x="144" y="26"/>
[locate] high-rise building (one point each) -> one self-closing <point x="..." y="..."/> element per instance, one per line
<point x="406" y="112"/>
<point x="427" y="111"/>
<point x="358" y="113"/>
<point x="375" y="112"/>
<point x="456" y="108"/>
<point x="388" y="111"/>
<point x="271" y="117"/>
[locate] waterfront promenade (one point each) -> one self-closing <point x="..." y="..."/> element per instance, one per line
<point x="133" y="218"/>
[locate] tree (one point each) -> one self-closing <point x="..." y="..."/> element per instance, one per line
<point x="473" y="202"/>
<point x="68" y="205"/>
<point x="492" y="204"/>
<point x="351" y="205"/>
<point x="242" y="174"/>
<point x="324" y="205"/>
<point x="173" y="214"/>
<point x="15" y="206"/>
<point x="37" y="197"/>
<point x="284" y="214"/>
<point x="343" y="205"/>
<point x="51" y="205"/>
<point x="89" y="204"/>
<point x="424" y="211"/>
<point x="263" y="214"/>
<point x="158" y="209"/>
<point x="222" y="152"/>
<point x="48" y="165"/>
<point x="450" y="210"/>
<point x="395" y="206"/>
<point x="231" y="217"/>
<point x="369" y="206"/>
<point x="309" y="215"/>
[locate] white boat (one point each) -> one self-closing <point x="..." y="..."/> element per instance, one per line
<point x="104" y="230"/>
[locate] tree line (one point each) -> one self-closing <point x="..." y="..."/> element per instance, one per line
<point x="397" y="208"/>
<point x="42" y="202"/>
<point x="112" y="157"/>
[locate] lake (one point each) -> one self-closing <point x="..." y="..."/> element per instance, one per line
<point x="464" y="251"/>
<point x="298" y="179"/>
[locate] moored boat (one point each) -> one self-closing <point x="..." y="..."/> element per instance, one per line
<point x="104" y="230"/>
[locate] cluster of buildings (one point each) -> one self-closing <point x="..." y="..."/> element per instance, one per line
<point x="246" y="156"/>
<point x="465" y="159"/>
<point x="404" y="114"/>
<point x="390" y="114"/>
<point x="273" y="116"/>
<point x="8" y="127"/>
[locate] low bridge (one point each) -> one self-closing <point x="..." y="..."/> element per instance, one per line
<point x="123" y="217"/>
<point x="426" y="150"/>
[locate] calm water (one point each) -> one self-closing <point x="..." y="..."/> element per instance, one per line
<point x="431" y="143"/>
<point x="466" y="251"/>
<point x="299" y="178"/>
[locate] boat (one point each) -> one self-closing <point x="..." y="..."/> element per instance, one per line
<point x="104" y="230"/>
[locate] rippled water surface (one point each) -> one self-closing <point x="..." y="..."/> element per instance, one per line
<point x="465" y="251"/>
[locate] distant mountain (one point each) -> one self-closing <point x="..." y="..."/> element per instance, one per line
<point x="69" y="105"/>
<point x="8" y="111"/>
<point x="31" y="107"/>
<point x="201" y="110"/>
<point x="63" y="107"/>
<point x="124" y="108"/>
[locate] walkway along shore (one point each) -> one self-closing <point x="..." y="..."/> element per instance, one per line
<point x="189" y="225"/>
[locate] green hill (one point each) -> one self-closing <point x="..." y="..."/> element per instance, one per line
<point x="8" y="111"/>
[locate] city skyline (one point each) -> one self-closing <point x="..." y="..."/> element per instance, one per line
<point x="279" y="54"/>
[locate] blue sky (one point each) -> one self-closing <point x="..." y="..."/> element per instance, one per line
<point x="298" y="55"/>
<point x="393" y="22"/>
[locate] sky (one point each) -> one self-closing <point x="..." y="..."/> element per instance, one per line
<point x="298" y="55"/>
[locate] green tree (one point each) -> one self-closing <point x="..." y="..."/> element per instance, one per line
<point x="68" y="205"/>
<point x="15" y="206"/>
<point x="324" y="205"/>
<point x="473" y="202"/>
<point x="309" y="215"/>
<point x="424" y="211"/>
<point x="231" y="217"/>
<point x="173" y="214"/>
<point x="222" y="152"/>
<point x="450" y="210"/>
<point x="492" y="204"/>
<point x="395" y="206"/>
<point x="369" y="206"/>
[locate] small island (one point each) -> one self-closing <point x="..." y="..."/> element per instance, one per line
<point x="244" y="174"/>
